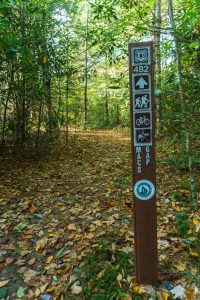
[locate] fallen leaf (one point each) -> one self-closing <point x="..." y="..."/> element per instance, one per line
<point x="20" y="292"/>
<point x="4" y="282"/>
<point x="40" y="244"/>
<point x="101" y="274"/>
<point x="183" y="191"/>
<point x="44" y="287"/>
<point x="71" y="236"/>
<point x="24" y="253"/>
<point x="27" y="203"/>
<point x="189" y="294"/>
<point x="196" y="223"/>
<point x="29" y="274"/>
<point x="49" y="259"/>
<point x="162" y="257"/>
<point x="97" y="223"/>
<point x="194" y="254"/>
<point x="92" y="228"/>
<point x="37" y="292"/>
<point x="165" y="296"/>
<point x="136" y="288"/>
<point x="32" y="261"/>
<point x="194" y="271"/>
<point x="3" y="292"/>
<point x="10" y="260"/>
<point x="180" y="266"/>
<point x="175" y="206"/>
<point x="163" y="244"/>
<point x="110" y="203"/>
<point x="72" y="227"/>
<point x="119" y="277"/>
<point x="60" y="252"/>
<point x="76" y="289"/>
<point x="89" y="236"/>
<point x="116" y="216"/>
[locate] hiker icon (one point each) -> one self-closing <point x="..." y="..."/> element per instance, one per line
<point x="142" y="101"/>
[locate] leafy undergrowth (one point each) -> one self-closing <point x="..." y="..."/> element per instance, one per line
<point x="67" y="225"/>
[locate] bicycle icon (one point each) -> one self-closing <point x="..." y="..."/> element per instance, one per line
<point x="142" y="121"/>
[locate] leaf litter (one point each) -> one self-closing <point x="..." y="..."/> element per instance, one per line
<point x="58" y="210"/>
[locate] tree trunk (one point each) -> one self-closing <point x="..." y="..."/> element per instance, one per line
<point x="11" y="75"/>
<point x="117" y="115"/>
<point x="39" y="125"/>
<point x="47" y="93"/>
<point x="107" y="108"/>
<point x="23" y="114"/>
<point x="67" y="88"/>
<point x="86" y="78"/>
<point x="67" y="108"/>
<point x="59" y="96"/>
<point x="49" y="104"/>
<point x="185" y="117"/>
<point x="158" y="65"/>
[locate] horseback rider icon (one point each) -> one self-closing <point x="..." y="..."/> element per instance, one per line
<point x="143" y="136"/>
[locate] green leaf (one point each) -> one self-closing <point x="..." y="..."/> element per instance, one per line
<point x="121" y="293"/>
<point x="20" y="292"/>
<point x="60" y="251"/>
<point x="21" y="226"/>
<point x="194" y="45"/>
<point x="3" y="292"/>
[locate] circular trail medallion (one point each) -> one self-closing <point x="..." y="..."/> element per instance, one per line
<point x="144" y="189"/>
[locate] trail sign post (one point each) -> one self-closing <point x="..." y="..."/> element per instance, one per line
<point x="143" y="160"/>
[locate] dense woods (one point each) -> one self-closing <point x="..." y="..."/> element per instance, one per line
<point x="64" y="64"/>
<point x="64" y="69"/>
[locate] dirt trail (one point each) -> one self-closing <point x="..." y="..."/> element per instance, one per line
<point x="68" y="202"/>
<point x="56" y="210"/>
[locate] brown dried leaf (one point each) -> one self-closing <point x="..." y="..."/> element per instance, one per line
<point x="4" y="283"/>
<point x="180" y="266"/>
<point x="24" y="253"/>
<point x="40" y="244"/>
<point x="10" y="260"/>
<point x="49" y="259"/>
<point x="72" y="226"/>
<point x="37" y="292"/>
<point x="76" y="289"/>
<point x="32" y="261"/>
<point x="101" y="274"/>
<point x="89" y="236"/>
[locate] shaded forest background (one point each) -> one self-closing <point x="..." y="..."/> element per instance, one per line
<point x="64" y="64"/>
<point x="65" y="172"/>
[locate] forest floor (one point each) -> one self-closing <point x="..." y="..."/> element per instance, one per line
<point x="67" y="224"/>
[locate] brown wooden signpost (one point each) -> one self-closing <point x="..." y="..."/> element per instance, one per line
<point x="143" y="160"/>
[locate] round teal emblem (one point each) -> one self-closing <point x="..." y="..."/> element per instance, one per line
<point x="144" y="189"/>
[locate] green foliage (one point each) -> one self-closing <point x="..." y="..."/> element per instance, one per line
<point x="182" y="223"/>
<point x="100" y="271"/>
<point x="181" y="196"/>
<point x="61" y="59"/>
